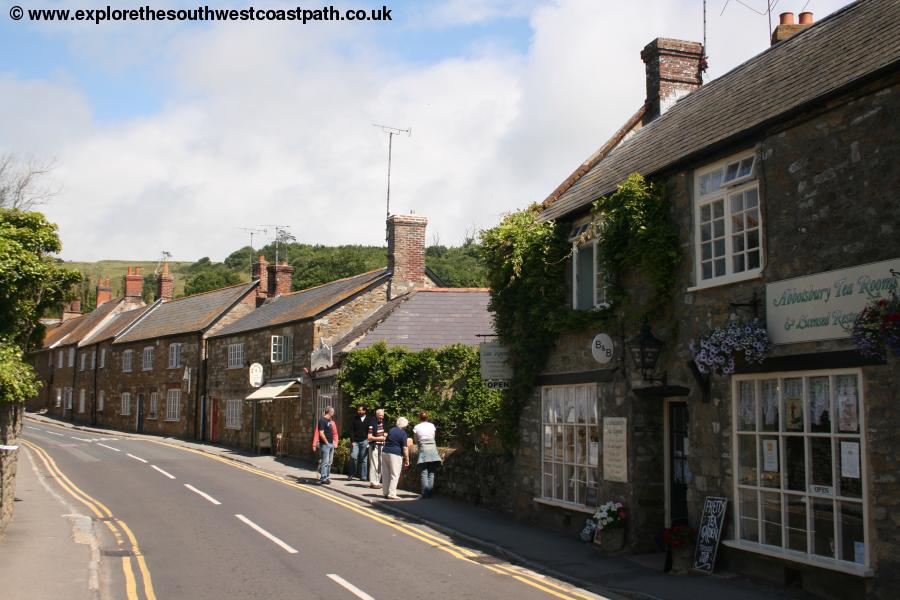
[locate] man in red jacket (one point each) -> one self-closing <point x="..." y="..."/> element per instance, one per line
<point x="325" y="439"/>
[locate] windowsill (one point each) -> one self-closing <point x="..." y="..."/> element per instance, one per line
<point x="565" y="505"/>
<point x="172" y="420"/>
<point x="175" y="367"/>
<point x="233" y="428"/>
<point x="145" y="370"/>
<point x="234" y="368"/>
<point x="806" y="559"/>
<point x="151" y="418"/>
<point x="721" y="281"/>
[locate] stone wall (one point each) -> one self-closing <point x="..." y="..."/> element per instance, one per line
<point x="10" y="431"/>
<point x="342" y="319"/>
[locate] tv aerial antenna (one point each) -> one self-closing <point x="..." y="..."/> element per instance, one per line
<point x="282" y="236"/>
<point x="391" y="131"/>
<point x="252" y="231"/>
<point x="163" y="259"/>
<point x="766" y="12"/>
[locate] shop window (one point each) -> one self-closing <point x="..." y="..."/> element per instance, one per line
<point x="570" y="446"/>
<point x="800" y="467"/>
<point x="728" y="223"/>
<point x="233" y="414"/>
<point x="173" y="405"/>
<point x="235" y="356"/>
<point x="125" y="408"/>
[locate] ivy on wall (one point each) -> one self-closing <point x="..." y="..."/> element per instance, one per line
<point x="445" y="382"/>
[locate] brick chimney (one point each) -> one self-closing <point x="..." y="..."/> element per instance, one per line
<point x="72" y="309"/>
<point x="104" y="291"/>
<point x="280" y="278"/>
<point x="259" y="270"/>
<point x="134" y="284"/>
<point x="165" y="284"/>
<point x="786" y="27"/>
<point x="406" y="253"/>
<point x="674" y="69"/>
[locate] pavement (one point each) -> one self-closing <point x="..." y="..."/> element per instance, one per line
<point x="539" y="550"/>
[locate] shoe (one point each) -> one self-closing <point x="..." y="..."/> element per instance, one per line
<point x="392" y="497"/>
<point x="324" y="482"/>
<point x="374" y="486"/>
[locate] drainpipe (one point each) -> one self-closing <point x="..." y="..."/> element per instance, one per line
<point x="74" y="383"/>
<point x="94" y="396"/>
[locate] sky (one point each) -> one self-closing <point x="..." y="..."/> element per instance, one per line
<point x="173" y="136"/>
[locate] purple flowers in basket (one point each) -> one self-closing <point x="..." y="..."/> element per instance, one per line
<point x="715" y="351"/>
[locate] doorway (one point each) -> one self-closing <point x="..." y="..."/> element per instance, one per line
<point x="678" y="473"/>
<point x="139" y="413"/>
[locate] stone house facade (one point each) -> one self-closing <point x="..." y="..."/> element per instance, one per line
<point x="782" y="179"/>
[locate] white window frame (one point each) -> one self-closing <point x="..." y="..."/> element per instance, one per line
<point x="127" y="360"/>
<point x="236" y="355"/>
<point x="72" y="356"/>
<point x="599" y="293"/>
<point x="125" y="404"/>
<point x="728" y="189"/>
<point x="173" y="404"/>
<point x="81" y="401"/>
<point x="281" y="349"/>
<point x="147" y="359"/>
<point x="102" y="358"/>
<point x="82" y="364"/>
<point x="154" y="406"/>
<point x="557" y="403"/>
<point x="101" y="397"/>
<point x="175" y="355"/>
<point x="233" y="413"/>
<point x="808" y="496"/>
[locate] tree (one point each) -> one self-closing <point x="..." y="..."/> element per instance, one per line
<point x="21" y="186"/>
<point x="240" y="260"/>
<point x="211" y="279"/>
<point x="31" y="279"/>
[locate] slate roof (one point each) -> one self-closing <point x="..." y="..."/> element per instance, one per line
<point x="186" y="315"/>
<point x="429" y="318"/>
<point x="859" y="41"/>
<point x="304" y="304"/>
<point x="115" y="325"/>
<point x="74" y="330"/>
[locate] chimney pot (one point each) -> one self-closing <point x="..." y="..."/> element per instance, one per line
<point x="806" y="18"/>
<point x="674" y="69"/>
<point x="787" y="18"/>
<point x="134" y="284"/>
<point x="406" y="253"/>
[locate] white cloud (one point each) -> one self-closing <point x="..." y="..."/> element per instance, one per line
<point x="264" y="126"/>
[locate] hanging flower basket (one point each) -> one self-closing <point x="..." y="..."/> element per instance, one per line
<point x="715" y="352"/>
<point x="877" y="327"/>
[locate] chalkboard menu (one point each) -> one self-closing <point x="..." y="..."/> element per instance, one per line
<point x="709" y="533"/>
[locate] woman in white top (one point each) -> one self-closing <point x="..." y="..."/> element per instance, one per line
<point x="429" y="458"/>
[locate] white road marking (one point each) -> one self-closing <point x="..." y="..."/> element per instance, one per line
<point x="80" y="439"/>
<point x="35" y="428"/>
<point x="138" y="458"/>
<point x="169" y="475"/>
<point x="265" y="533"/>
<point x="54" y="433"/>
<point x="349" y="587"/>
<point x="110" y="447"/>
<point x="204" y="494"/>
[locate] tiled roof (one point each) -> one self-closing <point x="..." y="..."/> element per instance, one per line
<point x="186" y="315"/>
<point x="54" y="335"/>
<point x="87" y="323"/>
<point x="115" y="325"/>
<point x="858" y="41"/>
<point x="304" y="304"/>
<point x="430" y="318"/>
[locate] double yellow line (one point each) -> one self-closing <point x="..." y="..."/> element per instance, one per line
<point x="432" y="540"/>
<point x="116" y="526"/>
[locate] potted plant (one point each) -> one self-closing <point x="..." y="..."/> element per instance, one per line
<point x="877" y="327"/>
<point x="715" y="351"/>
<point x="610" y="529"/>
<point x="679" y="542"/>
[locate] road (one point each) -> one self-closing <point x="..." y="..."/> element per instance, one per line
<point x="183" y="524"/>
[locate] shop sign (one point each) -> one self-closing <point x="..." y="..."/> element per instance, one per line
<point x="321" y="357"/>
<point x="602" y="348"/>
<point x="825" y="306"/>
<point x="710" y="532"/>
<point x="495" y="362"/>
<point x="615" y="449"/>
<point x="256" y="375"/>
<point x="822" y="490"/>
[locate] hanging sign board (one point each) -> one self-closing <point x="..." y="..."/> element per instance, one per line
<point x="710" y="533"/>
<point x="495" y="369"/>
<point x="256" y="375"/>
<point x="824" y="306"/>
<point x="615" y="449"/>
<point x="321" y="357"/>
<point x="602" y="348"/>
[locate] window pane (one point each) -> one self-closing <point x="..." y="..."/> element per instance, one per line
<point x="581" y="445"/>
<point x="849" y="468"/>
<point x="771" y="505"/>
<point x="819" y="405"/>
<point x="847" y="403"/>
<point x="768" y="399"/>
<point x="705" y="210"/>
<point x="718" y="209"/>
<point x="746" y="167"/>
<point x="793" y="404"/>
<point x="752" y="237"/>
<point x="737" y="203"/>
<point x="558" y="444"/>
<point x="705" y="251"/>
<point x="706" y="230"/>
<point x="747" y="405"/>
<point x="820" y="457"/>
<point x="749" y="517"/>
<point x="853" y="545"/>
<point x="720" y="267"/>
<point x="769" y="459"/>
<point x="795" y="463"/>
<point x="737" y="223"/>
<point x="559" y="481"/>
<point x="747" y="459"/>
<point x="737" y="243"/>
<point x="570" y="483"/>
<point x="570" y="444"/>
<point x="823" y="527"/>
<point x="796" y="522"/>
<point x="753" y="219"/>
<point x="594" y="406"/>
<point x="753" y="259"/>
<point x="739" y="263"/>
<point x="594" y="447"/>
<point x="731" y="171"/>
<point x="719" y="230"/>
<point x="570" y="405"/>
<point x="751" y="198"/>
<point x="580" y="485"/>
<point x="707" y="270"/>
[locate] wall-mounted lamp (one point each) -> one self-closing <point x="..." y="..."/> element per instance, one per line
<point x="645" y="349"/>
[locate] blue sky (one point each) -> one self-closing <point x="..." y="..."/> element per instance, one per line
<point x="170" y="136"/>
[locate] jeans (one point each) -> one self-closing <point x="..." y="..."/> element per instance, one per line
<point x="426" y="472"/>
<point x="326" y="454"/>
<point x="359" y="460"/>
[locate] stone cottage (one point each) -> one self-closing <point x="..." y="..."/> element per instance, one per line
<point x="782" y="178"/>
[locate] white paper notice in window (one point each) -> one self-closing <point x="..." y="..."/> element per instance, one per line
<point x="770" y="452"/>
<point x="847" y="404"/>
<point x="850" y="460"/>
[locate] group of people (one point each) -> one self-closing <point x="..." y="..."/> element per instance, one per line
<point x="378" y="452"/>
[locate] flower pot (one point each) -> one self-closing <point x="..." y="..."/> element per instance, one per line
<point x="682" y="560"/>
<point x="610" y="540"/>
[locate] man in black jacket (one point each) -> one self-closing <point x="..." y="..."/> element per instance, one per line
<point x="359" y="440"/>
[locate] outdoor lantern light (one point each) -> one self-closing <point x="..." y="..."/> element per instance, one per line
<point x="645" y="349"/>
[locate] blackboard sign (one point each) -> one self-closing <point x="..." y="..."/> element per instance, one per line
<point x="709" y="533"/>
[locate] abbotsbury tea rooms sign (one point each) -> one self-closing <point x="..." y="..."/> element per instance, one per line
<point x="824" y="306"/>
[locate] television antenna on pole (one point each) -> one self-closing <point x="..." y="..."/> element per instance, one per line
<point x="282" y="236"/>
<point x="767" y="12"/>
<point x="252" y="231"/>
<point x="166" y="255"/>
<point x="391" y="131"/>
